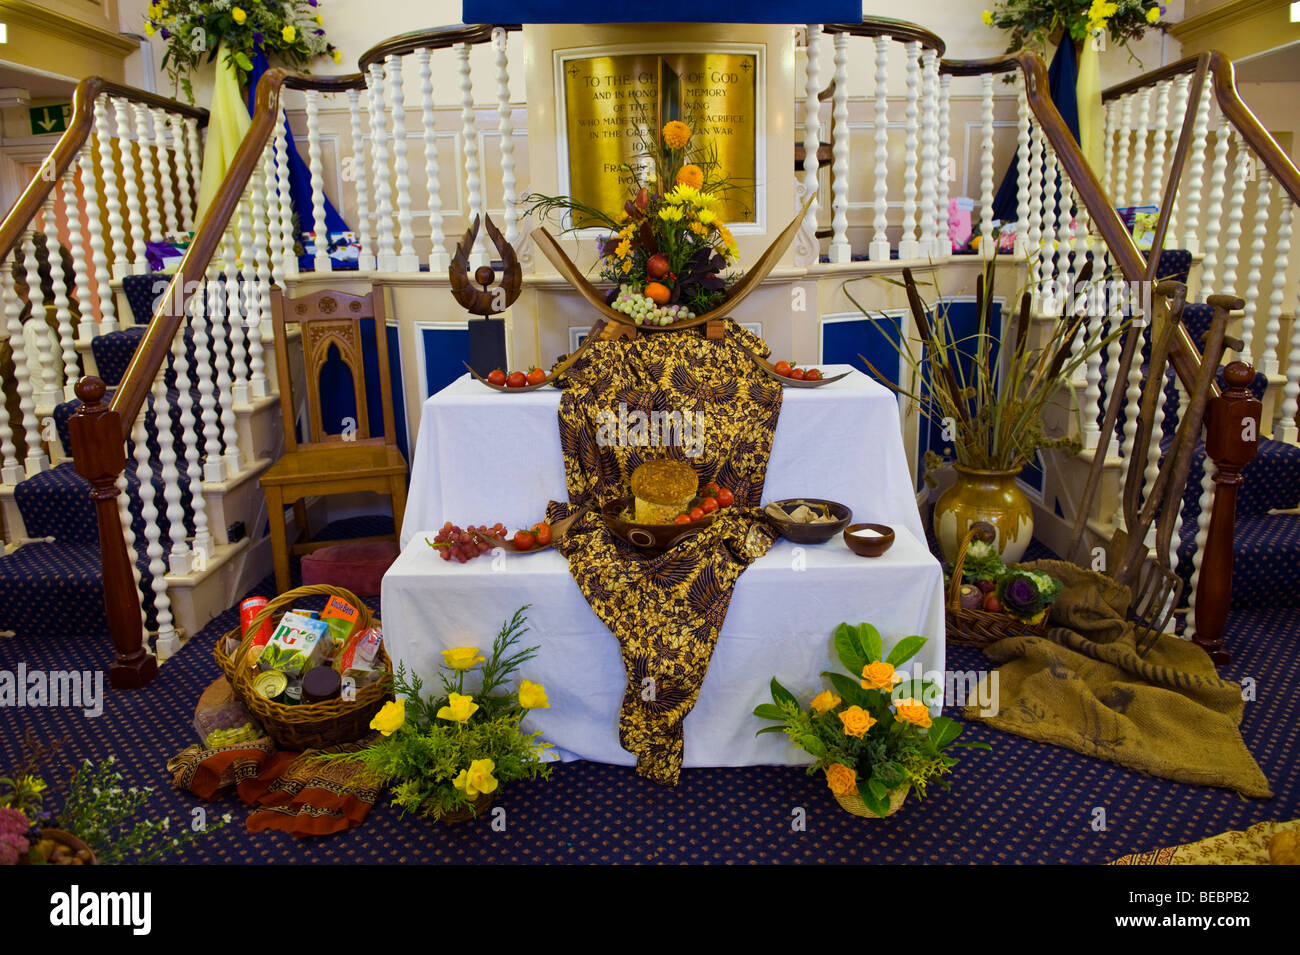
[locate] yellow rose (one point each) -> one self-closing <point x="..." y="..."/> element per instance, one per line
<point x="390" y="718"/>
<point x="842" y="780"/>
<point x="462" y="658"/>
<point x="857" y="721"/>
<point x="691" y="175"/>
<point x="879" y="676"/>
<point x="238" y="15"/>
<point x="532" y="696"/>
<point x="987" y="17"/>
<point x="477" y="779"/>
<point x="1153" y="15"/>
<point x="825" y="700"/>
<point x="913" y="711"/>
<point x="289" y="34"/>
<point x="459" y="708"/>
<point x="676" y="134"/>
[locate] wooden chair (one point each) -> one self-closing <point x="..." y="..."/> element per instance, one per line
<point x="327" y="463"/>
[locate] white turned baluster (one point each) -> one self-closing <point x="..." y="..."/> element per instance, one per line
<point x="194" y="145"/>
<point x="98" y="259"/>
<point x="178" y="561"/>
<point x="947" y="173"/>
<point x="1287" y="429"/>
<point x="250" y="224"/>
<point x="168" y="641"/>
<point x="879" y="249"/>
<point x="439" y="258"/>
<point x="1133" y="394"/>
<point x="62" y="311"/>
<point x="407" y="260"/>
<point x="44" y="377"/>
<point x="1022" y="168"/>
<point x="840" y="250"/>
<point x="131" y="189"/>
<point x="1204" y="507"/>
<point x="35" y="462"/>
<point x="237" y="297"/>
<point x="1174" y="127"/>
<point x="1114" y="320"/>
<point x="1236" y="212"/>
<point x="272" y="225"/>
<point x="987" y="245"/>
<point x="1268" y="362"/>
<point x="1035" y="235"/>
<point x="108" y="169"/>
<point x="1155" y="171"/>
<point x="807" y="246"/>
<point x="1050" y="290"/>
<point x="1153" y="447"/>
<point x="81" y="264"/>
<point x="1196" y="163"/>
<point x="385" y="255"/>
<point x="10" y="471"/>
<point x="365" y="251"/>
<point x="163" y="158"/>
<point x="223" y="351"/>
<point x="1121" y="158"/>
<point x="1108" y="146"/>
<point x="196" y="441"/>
<point x="1263" y="199"/>
<point x="211" y="365"/>
<point x="929" y="150"/>
<point x="185" y="209"/>
<point x="506" y="133"/>
<point x="469" y="133"/>
<point x="284" y="199"/>
<point x="320" y="228"/>
<point x="1214" y="215"/>
<point x="148" y="181"/>
<point x="908" y="247"/>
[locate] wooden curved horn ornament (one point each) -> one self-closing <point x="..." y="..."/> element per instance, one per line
<point x="485" y="301"/>
<point x="739" y="292"/>
<point x="556" y="372"/>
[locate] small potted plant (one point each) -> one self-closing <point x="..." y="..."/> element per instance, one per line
<point x="447" y="755"/>
<point x="871" y="736"/>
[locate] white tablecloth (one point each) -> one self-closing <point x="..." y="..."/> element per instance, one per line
<point x="482" y="456"/>
<point x="779" y="624"/>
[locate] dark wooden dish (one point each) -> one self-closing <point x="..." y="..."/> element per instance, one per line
<point x="558" y="530"/>
<point x="651" y="538"/>
<point x="556" y="372"/>
<point x="869" y="546"/>
<point x="770" y="369"/>
<point x="810" y="533"/>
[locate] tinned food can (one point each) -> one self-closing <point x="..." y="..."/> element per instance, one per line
<point x="270" y="685"/>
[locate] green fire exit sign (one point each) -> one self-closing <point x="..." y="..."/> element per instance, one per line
<point x="49" y="119"/>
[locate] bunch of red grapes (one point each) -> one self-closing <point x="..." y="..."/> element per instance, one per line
<point x="453" y="543"/>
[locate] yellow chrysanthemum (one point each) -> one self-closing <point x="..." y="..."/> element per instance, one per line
<point x="238" y="15"/>
<point x="627" y="265"/>
<point x="707" y="216"/>
<point x="622" y="249"/>
<point x="670" y="214"/>
<point x="148" y="29"/>
<point x="676" y="134"/>
<point x="1153" y="15"/>
<point x="684" y="194"/>
<point x="699" y="229"/>
<point x="691" y="175"/>
<point x="289" y="34"/>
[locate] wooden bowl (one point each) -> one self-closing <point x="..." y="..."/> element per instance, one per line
<point x="71" y="841"/>
<point x="651" y="538"/>
<point x="810" y="533"/>
<point x="869" y="546"/>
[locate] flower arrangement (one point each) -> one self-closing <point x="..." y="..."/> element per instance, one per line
<point x="448" y="753"/>
<point x="870" y="735"/>
<point x="1035" y="23"/>
<point x="290" y="30"/>
<point x="666" y="254"/>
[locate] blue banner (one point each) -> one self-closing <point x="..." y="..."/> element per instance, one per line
<point x="666" y="11"/>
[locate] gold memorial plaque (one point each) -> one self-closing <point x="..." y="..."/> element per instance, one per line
<point x="614" y="104"/>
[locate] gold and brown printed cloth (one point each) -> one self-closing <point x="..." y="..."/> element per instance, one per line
<point x="665" y="611"/>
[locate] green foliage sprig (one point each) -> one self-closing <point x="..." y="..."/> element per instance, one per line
<point x="1036" y="23"/>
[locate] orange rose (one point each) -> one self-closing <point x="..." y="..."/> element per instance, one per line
<point x="879" y="676"/>
<point x="691" y="175"/>
<point x="825" y="700"/>
<point x="857" y="721"/>
<point x="913" y="711"/>
<point x="676" y="134"/>
<point x="842" y="780"/>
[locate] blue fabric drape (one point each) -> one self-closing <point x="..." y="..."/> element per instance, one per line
<point x="1061" y="78"/>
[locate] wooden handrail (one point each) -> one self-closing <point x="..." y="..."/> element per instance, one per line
<point x="65" y="151"/>
<point x="1223" y="75"/>
<point x="153" y="349"/>
<point x="899" y="30"/>
<point x="438" y="38"/>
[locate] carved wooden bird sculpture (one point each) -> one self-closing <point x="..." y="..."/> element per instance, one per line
<point x="485" y="301"/>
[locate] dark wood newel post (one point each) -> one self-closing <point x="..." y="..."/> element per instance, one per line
<point x="1231" y="441"/>
<point x="100" y="455"/>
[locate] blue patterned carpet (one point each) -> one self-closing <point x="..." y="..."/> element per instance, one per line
<point x="1024" y="802"/>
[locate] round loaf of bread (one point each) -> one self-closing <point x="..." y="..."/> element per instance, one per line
<point x="663" y="489"/>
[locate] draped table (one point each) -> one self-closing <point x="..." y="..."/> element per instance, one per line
<point x="482" y="456"/>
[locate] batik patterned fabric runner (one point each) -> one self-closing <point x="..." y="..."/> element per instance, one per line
<point x="665" y="611"/>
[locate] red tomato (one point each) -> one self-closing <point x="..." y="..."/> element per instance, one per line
<point x="517" y="379"/>
<point x="697" y="514"/>
<point x="725" y="498"/>
<point x="536" y="376"/>
<point x="710" y="505"/>
<point x="542" y="531"/>
<point x="797" y="374"/>
<point x="812" y="374"/>
<point x="523" y="540"/>
<point x="711" y="489"/>
<point x="497" y="376"/>
<point x="682" y="519"/>
<point x="783" y="368"/>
